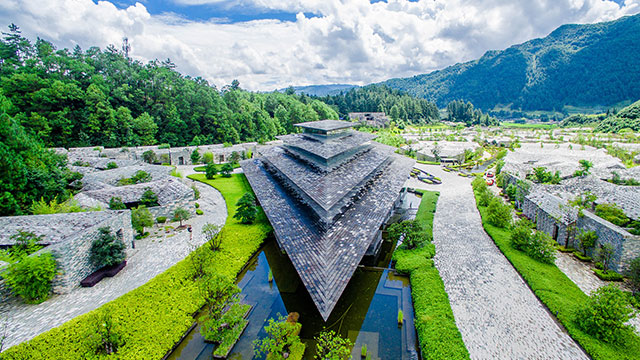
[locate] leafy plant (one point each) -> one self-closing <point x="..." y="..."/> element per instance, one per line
<point x="585" y="168"/>
<point x="30" y="277"/>
<point x="25" y="244"/>
<point x="605" y="255"/>
<point x="282" y="337"/>
<point x="211" y="233"/>
<point x="587" y="240"/>
<point x="219" y="293"/>
<point x="330" y="345"/>
<point x="246" y="209"/>
<point x="161" y="219"/>
<point x="211" y="170"/>
<point x="107" y="338"/>
<point x="411" y="233"/>
<point x="499" y="213"/>
<point x="115" y="203"/>
<point x="139" y="177"/>
<point x="112" y="165"/>
<point x="634" y="275"/>
<point x="195" y="157"/>
<point x="107" y="249"/>
<point x="226" y="169"/>
<point x="149" y="198"/>
<point x="140" y="218"/>
<point x="542" y="248"/>
<point x="42" y="207"/>
<point x="149" y="157"/>
<point x="612" y="213"/>
<point x="181" y="214"/>
<point x="605" y="314"/>
<point x="400" y="317"/>
<point x="196" y="192"/>
<point x="521" y="237"/>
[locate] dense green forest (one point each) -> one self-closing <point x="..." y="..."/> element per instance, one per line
<point x="399" y="105"/>
<point x="580" y="65"/>
<point x="460" y="111"/>
<point x="95" y="97"/>
<point x="620" y="121"/>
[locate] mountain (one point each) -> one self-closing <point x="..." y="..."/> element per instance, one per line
<point x="321" y="90"/>
<point x="593" y="65"/>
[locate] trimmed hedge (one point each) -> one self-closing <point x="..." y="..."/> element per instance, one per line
<point x="434" y="321"/>
<point x="153" y="317"/>
<point x="608" y="275"/>
<point x="561" y="296"/>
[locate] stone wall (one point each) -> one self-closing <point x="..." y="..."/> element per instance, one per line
<point x="626" y="246"/>
<point x="168" y="210"/>
<point x="73" y="255"/>
<point x="545" y="222"/>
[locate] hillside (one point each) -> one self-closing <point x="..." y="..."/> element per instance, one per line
<point x="579" y="65"/>
<point x="320" y="90"/>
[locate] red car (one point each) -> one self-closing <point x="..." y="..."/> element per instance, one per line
<point x="489" y="174"/>
<point x="489" y="182"/>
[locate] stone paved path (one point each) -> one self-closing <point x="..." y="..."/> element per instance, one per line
<point x="151" y="257"/>
<point x="499" y="317"/>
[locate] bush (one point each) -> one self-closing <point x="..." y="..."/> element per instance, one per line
<point x="196" y="192"/>
<point x="411" y="233"/>
<point x="520" y="237"/>
<point x="161" y="219"/>
<point x="197" y="205"/>
<point x="112" y="165"/>
<point x="207" y="157"/>
<point x="140" y="218"/>
<point x="30" y="278"/>
<point x="542" y="248"/>
<point x="282" y="338"/>
<point x="226" y="170"/>
<point x="587" y="240"/>
<point x="149" y="198"/>
<point x="25" y="244"/>
<point x="634" y="274"/>
<point x="211" y="170"/>
<point x="181" y="214"/>
<point x="149" y="156"/>
<point x="582" y="257"/>
<point x="107" y="249"/>
<point x="499" y="213"/>
<point x="612" y="213"/>
<point x="605" y="314"/>
<point x="115" y="203"/>
<point x="605" y="255"/>
<point x="485" y="196"/>
<point x="608" y="275"/>
<point x="195" y="157"/>
<point x="199" y="212"/>
<point x="138" y="178"/>
<point x="246" y="209"/>
<point x="330" y="345"/>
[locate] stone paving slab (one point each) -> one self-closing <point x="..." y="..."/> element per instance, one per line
<point x="497" y="314"/>
<point x="151" y="257"/>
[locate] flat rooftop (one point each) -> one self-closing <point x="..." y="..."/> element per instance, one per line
<point x="325" y="125"/>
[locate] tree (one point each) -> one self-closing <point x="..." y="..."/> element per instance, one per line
<point x="541" y="248"/>
<point x="226" y="170"/>
<point x="585" y="167"/>
<point x="634" y="274"/>
<point x="219" y="293"/>
<point x="499" y="213"/>
<point x="211" y="170"/>
<point x="520" y="237"/>
<point x="115" y="203"/>
<point x="605" y="314"/>
<point x="181" y="214"/>
<point x="411" y="233"/>
<point x="331" y="346"/>
<point x="211" y="234"/>
<point x="107" y="249"/>
<point x="587" y="240"/>
<point x="207" y="157"/>
<point x="149" y="198"/>
<point x="145" y="130"/>
<point x="246" y="210"/>
<point x="235" y="157"/>
<point x="149" y="157"/>
<point x="25" y="244"/>
<point x="282" y="338"/>
<point x="140" y="218"/>
<point x="106" y="336"/>
<point x="195" y="156"/>
<point x="605" y="254"/>
<point x="30" y="277"/>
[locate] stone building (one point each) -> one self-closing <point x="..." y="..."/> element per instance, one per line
<point x="327" y="193"/>
<point x="373" y="119"/>
<point x="69" y="238"/>
<point x="551" y="214"/>
<point x="447" y="151"/>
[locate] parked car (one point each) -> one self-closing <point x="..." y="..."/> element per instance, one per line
<point x="490" y="182"/>
<point x="489" y="174"/>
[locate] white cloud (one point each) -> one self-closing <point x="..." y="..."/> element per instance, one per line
<point x="349" y="41"/>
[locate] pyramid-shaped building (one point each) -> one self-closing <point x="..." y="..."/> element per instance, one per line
<point x="327" y="192"/>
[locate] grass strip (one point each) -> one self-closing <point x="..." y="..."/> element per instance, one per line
<point x="439" y="336"/>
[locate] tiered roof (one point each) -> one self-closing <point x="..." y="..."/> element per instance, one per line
<point x="326" y="219"/>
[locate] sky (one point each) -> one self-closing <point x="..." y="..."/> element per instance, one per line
<point x="271" y="44"/>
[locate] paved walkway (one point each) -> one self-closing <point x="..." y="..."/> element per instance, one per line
<point x="499" y="317"/>
<point x="151" y="257"/>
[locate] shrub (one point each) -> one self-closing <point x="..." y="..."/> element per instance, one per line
<point x="107" y="249"/>
<point x="25" y="244"/>
<point x="246" y="209"/>
<point x="115" y="203"/>
<point x="211" y="234"/>
<point x="411" y="233"/>
<point x="282" y="338"/>
<point x="211" y="171"/>
<point x="330" y="345"/>
<point x="226" y="170"/>
<point x="363" y="350"/>
<point x="634" y="275"/>
<point x="499" y="213"/>
<point x="400" y="317"/>
<point x="138" y="178"/>
<point x="196" y="192"/>
<point x="54" y="207"/>
<point x="605" y="314"/>
<point x="149" y="156"/>
<point x="149" y="198"/>
<point x="612" y="213"/>
<point x="587" y="240"/>
<point x="542" y="248"/>
<point x="30" y="278"/>
<point x="195" y="156"/>
<point x="107" y="339"/>
<point x="207" y="157"/>
<point x="520" y="237"/>
<point x="140" y="218"/>
<point x="605" y="255"/>
<point x="197" y="205"/>
<point x="112" y="165"/>
<point x="181" y="214"/>
<point x="510" y="191"/>
<point x="582" y="257"/>
<point x="199" y="212"/>
<point x="176" y="173"/>
<point x="161" y="219"/>
<point x="219" y="293"/>
<point x="608" y="275"/>
<point x="485" y="196"/>
<point x="164" y="146"/>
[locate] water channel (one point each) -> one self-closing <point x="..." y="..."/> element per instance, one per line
<point x="366" y="313"/>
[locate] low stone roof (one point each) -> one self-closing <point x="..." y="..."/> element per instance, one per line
<point x="329" y="148"/>
<point x="54" y="228"/>
<point x="448" y="149"/>
<point x="325" y="125"/>
<point x="168" y="189"/>
<point x="109" y="178"/>
<point x="553" y="205"/>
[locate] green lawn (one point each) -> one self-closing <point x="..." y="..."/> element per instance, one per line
<point x="434" y="321"/>
<point x="561" y="295"/>
<point x="203" y="168"/>
<point x="152" y="318"/>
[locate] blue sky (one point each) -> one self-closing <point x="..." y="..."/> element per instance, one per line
<point x="271" y="44"/>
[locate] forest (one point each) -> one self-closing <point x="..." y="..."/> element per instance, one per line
<point x="627" y="119"/>
<point x="588" y="65"/>
<point x="460" y="111"/>
<point x="102" y="97"/>
<point x="398" y="105"/>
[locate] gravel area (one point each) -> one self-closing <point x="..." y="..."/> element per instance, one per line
<point x="499" y="317"/>
<point x="151" y="257"/>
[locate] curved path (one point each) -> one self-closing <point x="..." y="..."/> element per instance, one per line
<point x="497" y="314"/>
<point x="152" y="256"/>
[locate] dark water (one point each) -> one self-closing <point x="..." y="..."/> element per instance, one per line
<point x="366" y="313"/>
